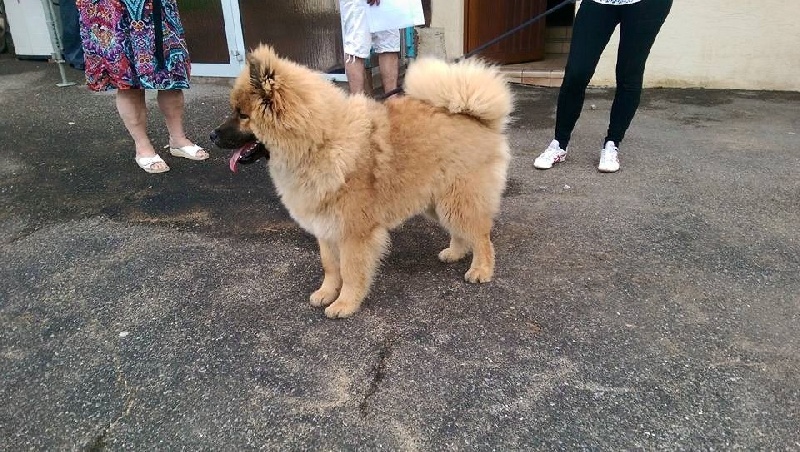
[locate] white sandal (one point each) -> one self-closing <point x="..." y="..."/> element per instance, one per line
<point x="146" y="163"/>
<point x="188" y="152"/>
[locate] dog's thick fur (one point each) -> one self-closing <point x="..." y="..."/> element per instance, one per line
<point x="349" y="169"/>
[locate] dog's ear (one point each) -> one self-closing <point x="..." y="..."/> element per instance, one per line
<point x="261" y="79"/>
<point x="256" y="75"/>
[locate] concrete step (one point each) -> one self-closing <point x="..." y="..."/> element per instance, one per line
<point x="547" y="72"/>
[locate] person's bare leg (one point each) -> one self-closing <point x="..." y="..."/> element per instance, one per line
<point x="390" y="68"/>
<point x="356" y="74"/>
<point x="171" y="104"/>
<point x="133" y="111"/>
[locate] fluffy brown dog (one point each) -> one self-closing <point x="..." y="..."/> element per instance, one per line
<point x="349" y="169"/>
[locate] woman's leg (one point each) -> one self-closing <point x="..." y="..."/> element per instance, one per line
<point x="591" y="31"/>
<point x="639" y="27"/>
<point x="171" y="104"/>
<point x="133" y="111"/>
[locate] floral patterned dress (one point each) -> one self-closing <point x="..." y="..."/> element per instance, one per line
<point x="133" y="44"/>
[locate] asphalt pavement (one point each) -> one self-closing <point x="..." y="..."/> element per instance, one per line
<point x="656" y="308"/>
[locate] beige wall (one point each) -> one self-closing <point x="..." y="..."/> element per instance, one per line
<point x="449" y="15"/>
<point x="732" y="44"/>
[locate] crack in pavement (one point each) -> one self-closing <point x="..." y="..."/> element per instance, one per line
<point x="99" y="442"/>
<point x="378" y="372"/>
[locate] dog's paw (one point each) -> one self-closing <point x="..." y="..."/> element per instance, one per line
<point x="341" y="309"/>
<point x="450" y="255"/>
<point x="478" y="275"/>
<point x="323" y="297"/>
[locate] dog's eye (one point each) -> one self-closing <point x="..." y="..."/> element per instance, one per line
<point x="243" y="116"/>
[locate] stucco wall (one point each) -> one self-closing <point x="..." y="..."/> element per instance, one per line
<point x="738" y="44"/>
<point x="449" y="15"/>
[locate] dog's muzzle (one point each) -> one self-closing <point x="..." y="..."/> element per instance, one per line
<point x="246" y="153"/>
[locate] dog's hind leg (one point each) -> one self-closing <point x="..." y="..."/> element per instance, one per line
<point x="458" y="248"/>
<point x="476" y="232"/>
<point x="467" y="213"/>
<point x="332" y="282"/>
<point x="482" y="268"/>
<point x="359" y="257"/>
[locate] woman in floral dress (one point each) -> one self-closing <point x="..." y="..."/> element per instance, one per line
<point x="133" y="46"/>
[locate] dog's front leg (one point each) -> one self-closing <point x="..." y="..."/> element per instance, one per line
<point x="360" y="256"/>
<point x="332" y="281"/>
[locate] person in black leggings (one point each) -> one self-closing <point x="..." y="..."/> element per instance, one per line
<point x="640" y="22"/>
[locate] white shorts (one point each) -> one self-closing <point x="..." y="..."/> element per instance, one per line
<point x="355" y="32"/>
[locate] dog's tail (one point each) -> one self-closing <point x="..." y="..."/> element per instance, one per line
<point x="469" y="87"/>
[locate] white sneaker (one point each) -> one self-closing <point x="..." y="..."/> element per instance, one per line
<point x="552" y="155"/>
<point x="609" y="162"/>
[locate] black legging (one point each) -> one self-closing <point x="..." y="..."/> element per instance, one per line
<point x="594" y="24"/>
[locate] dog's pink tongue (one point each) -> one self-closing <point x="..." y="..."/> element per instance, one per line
<point x="235" y="158"/>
